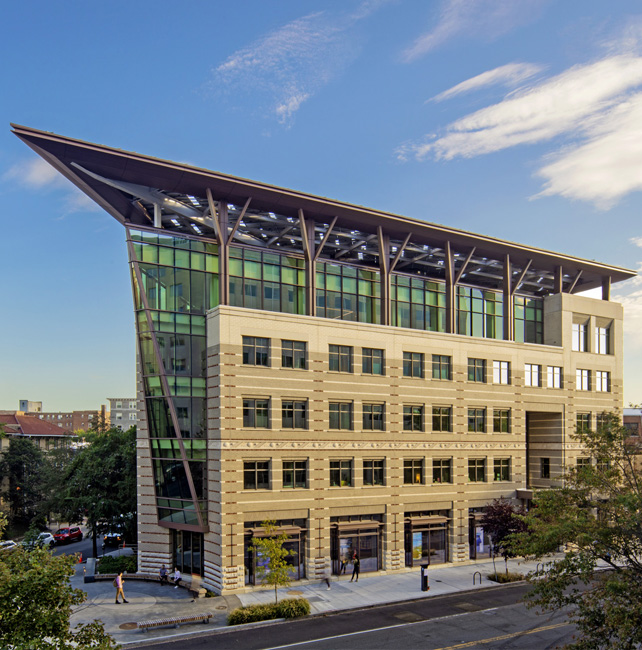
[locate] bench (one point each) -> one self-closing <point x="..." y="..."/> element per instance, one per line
<point x="176" y="621"/>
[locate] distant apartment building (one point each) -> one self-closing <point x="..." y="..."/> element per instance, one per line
<point x="122" y="412"/>
<point x="28" y="407"/>
<point x="68" y="420"/>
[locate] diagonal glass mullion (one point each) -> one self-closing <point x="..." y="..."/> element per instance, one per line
<point x="163" y="377"/>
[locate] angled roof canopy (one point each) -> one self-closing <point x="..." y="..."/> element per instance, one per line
<point x="181" y="200"/>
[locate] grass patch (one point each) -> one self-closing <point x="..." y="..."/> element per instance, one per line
<point x="288" y="608"/>
<point x="503" y="578"/>
<point x="111" y="564"/>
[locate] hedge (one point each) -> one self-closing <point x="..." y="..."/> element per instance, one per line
<point x="116" y="564"/>
<point x="505" y="577"/>
<point x="288" y="608"/>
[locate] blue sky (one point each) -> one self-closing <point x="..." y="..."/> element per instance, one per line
<point x="521" y="120"/>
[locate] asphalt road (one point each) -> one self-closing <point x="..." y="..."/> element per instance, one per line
<point x="482" y="619"/>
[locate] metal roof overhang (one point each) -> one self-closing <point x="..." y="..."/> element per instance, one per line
<point x="61" y="152"/>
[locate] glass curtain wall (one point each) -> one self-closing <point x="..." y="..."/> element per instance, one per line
<point x="178" y="284"/>
<point x="269" y="281"/>
<point x="480" y="313"/>
<point x="529" y="319"/>
<point x="348" y="293"/>
<point x="417" y="303"/>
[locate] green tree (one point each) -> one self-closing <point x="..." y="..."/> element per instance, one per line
<point x="23" y="464"/>
<point x="500" y="520"/>
<point x="100" y="484"/>
<point x="597" y="515"/>
<point x="271" y="557"/>
<point x="36" y="600"/>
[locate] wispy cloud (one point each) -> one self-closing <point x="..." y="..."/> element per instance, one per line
<point x="36" y="173"/>
<point x="509" y="75"/>
<point x="287" y="66"/>
<point x="594" y="110"/>
<point x="481" y="19"/>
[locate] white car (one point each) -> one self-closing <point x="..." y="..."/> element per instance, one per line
<point x="45" y="540"/>
<point x="8" y="545"/>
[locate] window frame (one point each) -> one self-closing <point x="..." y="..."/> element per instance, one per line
<point x="368" y="359"/>
<point x="532" y="375"/>
<point x="299" y="409"/>
<point x="374" y="417"/>
<point x="371" y="472"/>
<point x="602" y="381"/>
<point x="410" y="417"/>
<point x="298" y="469"/>
<point x="340" y="358"/>
<point x="476" y="368"/>
<point x="474" y="466"/>
<point x="501" y="470"/>
<point x="438" y="415"/>
<point x="582" y="379"/>
<point x="293" y="358"/>
<point x="501" y="372"/>
<point x="410" y="467"/>
<point x="477" y="419"/>
<point x="342" y="409"/>
<point x="441" y="367"/>
<point x="251" y="406"/>
<point x="501" y="416"/>
<point x="545" y="467"/>
<point x="439" y="469"/>
<point x="251" y="352"/>
<point x="249" y="471"/>
<point x="413" y="365"/>
<point x="338" y="472"/>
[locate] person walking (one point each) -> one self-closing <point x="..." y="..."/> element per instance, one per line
<point x="177" y="578"/>
<point x="326" y="575"/>
<point x="355" y="568"/>
<point x="118" y="583"/>
<point x="163" y="575"/>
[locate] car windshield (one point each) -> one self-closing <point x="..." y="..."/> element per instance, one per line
<point x="62" y="531"/>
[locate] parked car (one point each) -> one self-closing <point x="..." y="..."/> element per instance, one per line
<point x="8" y="545"/>
<point x="44" y="540"/>
<point x="66" y="535"/>
<point x="113" y="538"/>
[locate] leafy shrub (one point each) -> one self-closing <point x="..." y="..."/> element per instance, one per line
<point x="503" y="578"/>
<point x="288" y="608"/>
<point x="116" y="564"/>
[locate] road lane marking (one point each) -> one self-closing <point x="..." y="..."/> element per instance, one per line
<point x="472" y="644"/>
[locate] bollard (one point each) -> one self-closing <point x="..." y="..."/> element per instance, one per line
<point x="424" y="579"/>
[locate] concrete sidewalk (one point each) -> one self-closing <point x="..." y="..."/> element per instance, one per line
<point x="148" y="600"/>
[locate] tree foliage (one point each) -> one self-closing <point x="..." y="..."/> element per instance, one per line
<point x="36" y="600"/>
<point x="100" y="484"/>
<point x="24" y="465"/>
<point x="272" y="565"/>
<point x="597" y="514"/>
<point x="500" y="520"/>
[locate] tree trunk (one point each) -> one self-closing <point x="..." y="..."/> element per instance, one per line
<point x="276" y="594"/>
<point x="94" y="545"/>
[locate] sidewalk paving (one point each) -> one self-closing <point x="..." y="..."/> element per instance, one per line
<point x="149" y="600"/>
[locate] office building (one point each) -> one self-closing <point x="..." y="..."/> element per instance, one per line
<point x="368" y="381"/>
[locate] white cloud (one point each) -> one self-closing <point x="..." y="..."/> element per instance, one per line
<point x="483" y="19"/>
<point x="629" y="294"/>
<point x="287" y="66"/>
<point x="597" y="107"/>
<point x="38" y="174"/>
<point x="509" y="75"/>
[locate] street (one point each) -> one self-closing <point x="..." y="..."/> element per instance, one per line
<point x="466" y="620"/>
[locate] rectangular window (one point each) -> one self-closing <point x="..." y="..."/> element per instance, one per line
<point x="256" y="351"/>
<point x="295" y="473"/>
<point x="583" y="379"/>
<point x="477" y="420"/>
<point x="532" y="375"/>
<point x="256" y="413"/>
<point x="441" y="366"/>
<point x="372" y="361"/>
<point x="373" y="417"/>
<point x="413" y="471"/>
<point x="501" y="421"/>
<point x="442" y="470"/>
<point x="341" y="415"/>
<point x="602" y="340"/>
<point x="545" y="467"/>
<point x="413" y="364"/>
<point x="476" y="470"/>
<point x="413" y="418"/>
<point x="580" y="337"/>
<point x="501" y="372"/>
<point x="583" y="421"/>
<point x="602" y="381"/>
<point x="554" y="377"/>
<point x="294" y="414"/>
<point x="583" y="462"/>
<point x="373" y="472"/>
<point x="256" y="475"/>
<point x="477" y="370"/>
<point x="341" y="358"/>
<point x="501" y="469"/>
<point x="441" y="418"/>
<point x="340" y="473"/>
<point x="294" y="354"/>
